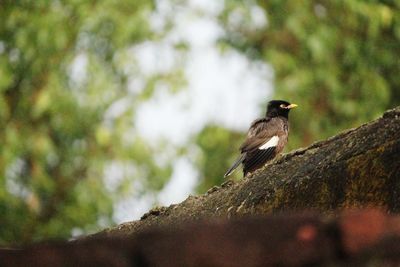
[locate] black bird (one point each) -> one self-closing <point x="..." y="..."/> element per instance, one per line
<point x="266" y="138"/>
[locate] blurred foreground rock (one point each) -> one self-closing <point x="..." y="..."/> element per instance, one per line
<point x="355" y="238"/>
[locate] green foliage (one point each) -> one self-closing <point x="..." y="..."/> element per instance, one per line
<point x="219" y="150"/>
<point x="337" y="59"/>
<point x="57" y="136"/>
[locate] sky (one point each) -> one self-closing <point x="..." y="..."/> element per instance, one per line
<point x="217" y="85"/>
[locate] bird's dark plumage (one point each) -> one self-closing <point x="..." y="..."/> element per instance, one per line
<point x="266" y="137"/>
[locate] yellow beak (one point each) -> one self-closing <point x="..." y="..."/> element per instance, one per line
<point x="292" y="106"/>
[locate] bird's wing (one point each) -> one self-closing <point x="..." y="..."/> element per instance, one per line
<point x="263" y="133"/>
<point x="255" y="128"/>
<point x="265" y="139"/>
<point x="258" y="158"/>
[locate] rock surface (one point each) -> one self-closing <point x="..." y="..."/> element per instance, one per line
<point x="357" y="168"/>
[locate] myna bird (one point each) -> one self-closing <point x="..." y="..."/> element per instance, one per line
<point x="265" y="139"/>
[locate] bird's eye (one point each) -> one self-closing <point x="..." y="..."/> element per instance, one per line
<point x="283" y="106"/>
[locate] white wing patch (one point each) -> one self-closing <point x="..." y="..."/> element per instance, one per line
<point x="270" y="143"/>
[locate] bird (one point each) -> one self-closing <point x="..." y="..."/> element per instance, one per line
<point x="265" y="139"/>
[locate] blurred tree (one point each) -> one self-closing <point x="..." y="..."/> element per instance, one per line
<point x="219" y="149"/>
<point x="339" y="60"/>
<point x="66" y="107"/>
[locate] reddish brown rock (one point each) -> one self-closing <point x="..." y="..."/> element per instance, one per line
<point x="355" y="238"/>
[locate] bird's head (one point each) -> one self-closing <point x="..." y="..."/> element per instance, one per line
<point x="277" y="108"/>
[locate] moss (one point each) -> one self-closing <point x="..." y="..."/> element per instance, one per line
<point x="366" y="182"/>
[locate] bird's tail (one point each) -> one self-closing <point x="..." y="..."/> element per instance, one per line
<point x="235" y="165"/>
